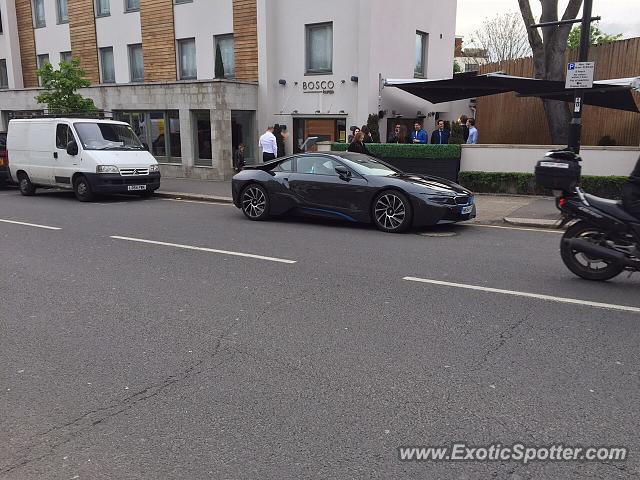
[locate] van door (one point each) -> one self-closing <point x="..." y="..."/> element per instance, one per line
<point x="65" y="164"/>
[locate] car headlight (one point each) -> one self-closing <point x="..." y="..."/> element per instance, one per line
<point x="154" y="168"/>
<point x="107" y="169"/>
<point x="442" y="199"/>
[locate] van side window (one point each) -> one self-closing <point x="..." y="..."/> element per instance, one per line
<point x="63" y="136"/>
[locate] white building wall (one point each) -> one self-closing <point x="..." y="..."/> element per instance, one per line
<point x="118" y="30"/>
<point x="54" y="37"/>
<point x="202" y="20"/>
<point x="9" y="43"/>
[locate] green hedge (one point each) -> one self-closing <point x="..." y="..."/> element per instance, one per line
<point x="393" y="150"/>
<point x="525" y="184"/>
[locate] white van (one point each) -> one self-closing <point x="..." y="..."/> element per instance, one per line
<point x="87" y="155"/>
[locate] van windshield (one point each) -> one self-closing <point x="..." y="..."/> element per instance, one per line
<point x="107" y="136"/>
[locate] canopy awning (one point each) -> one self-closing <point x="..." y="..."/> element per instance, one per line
<point x="614" y="94"/>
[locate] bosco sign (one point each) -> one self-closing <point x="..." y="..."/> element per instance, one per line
<point x="325" y="87"/>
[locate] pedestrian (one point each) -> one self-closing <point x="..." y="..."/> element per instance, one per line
<point x="465" y="129"/>
<point x="631" y="192"/>
<point x="473" y="132"/>
<point x="441" y="135"/>
<point x="238" y="158"/>
<point x="269" y="145"/>
<point x="354" y="131"/>
<point x="399" y="134"/>
<point x="368" y="137"/>
<point x="277" y="132"/>
<point x="419" y="135"/>
<point x="358" y="145"/>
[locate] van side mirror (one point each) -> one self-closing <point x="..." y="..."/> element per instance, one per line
<point x="72" y="148"/>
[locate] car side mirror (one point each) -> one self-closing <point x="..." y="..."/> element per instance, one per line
<point x="72" y="148"/>
<point x="343" y="172"/>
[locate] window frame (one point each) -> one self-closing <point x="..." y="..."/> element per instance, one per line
<point x="59" y="20"/>
<point x="35" y="15"/>
<point x="128" y="9"/>
<point x="101" y="51"/>
<point x="100" y="13"/>
<point x="308" y="28"/>
<point x="180" y="42"/>
<point x="424" y="36"/>
<point x="130" y="48"/>
<point x="4" y="86"/>
<point x="69" y="130"/>
<point x="64" y="53"/>
<point x="216" y="39"/>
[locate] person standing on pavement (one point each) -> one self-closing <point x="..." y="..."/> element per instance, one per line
<point x="473" y="132"/>
<point x="269" y="145"/>
<point x="397" y="136"/>
<point x="277" y="132"/>
<point x="465" y="129"/>
<point x="358" y="144"/>
<point x="419" y="136"/>
<point x="368" y="137"/>
<point x="354" y="132"/>
<point x="441" y="135"/>
<point x="238" y="158"/>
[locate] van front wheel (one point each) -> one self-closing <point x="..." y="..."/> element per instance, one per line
<point x="82" y="189"/>
<point x="27" y="188"/>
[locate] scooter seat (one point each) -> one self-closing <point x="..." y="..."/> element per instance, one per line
<point x="611" y="207"/>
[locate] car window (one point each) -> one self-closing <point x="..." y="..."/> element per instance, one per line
<point x="317" y="165"/>
<point x="63" y="136"/>
<point x="286" y="166"/>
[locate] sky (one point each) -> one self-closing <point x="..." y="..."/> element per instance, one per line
<point x="618" y="16"/>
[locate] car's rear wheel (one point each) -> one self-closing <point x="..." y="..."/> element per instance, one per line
<point x="254" y="202"/>
<point x="82" y="189"/>
<point x="392" y="211"/>
<point x="27" y="188"/>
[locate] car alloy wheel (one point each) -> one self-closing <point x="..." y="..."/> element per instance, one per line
<point x="392" y="212"/>
<point x="255" y="203"/>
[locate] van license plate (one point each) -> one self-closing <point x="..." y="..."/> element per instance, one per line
<point x="135" y="188"/>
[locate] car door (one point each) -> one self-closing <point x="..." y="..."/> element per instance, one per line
<point x="317" y="184"/>
<point x="65" y="165"/>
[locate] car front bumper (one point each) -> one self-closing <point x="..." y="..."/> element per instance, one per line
<point x="427" y="213"/>
<point x="116" y="183"/>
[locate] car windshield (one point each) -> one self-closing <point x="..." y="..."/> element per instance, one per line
<point x="107" y="136"/>
<point x="366" y="165"/>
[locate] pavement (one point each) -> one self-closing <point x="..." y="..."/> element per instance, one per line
<point x="160" y="338"/>
<point x="518" y="210"/>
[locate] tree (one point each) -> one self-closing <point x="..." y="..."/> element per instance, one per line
<point x="456" y="67"/>
<point x="60" y="88"/>
<point x="549" y="58"/>
<point x="596" y="36"/>
<point x="501" y="38"/>
<point x="219" y="70"/>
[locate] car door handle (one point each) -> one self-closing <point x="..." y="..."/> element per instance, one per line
<point x="55" y="155"/>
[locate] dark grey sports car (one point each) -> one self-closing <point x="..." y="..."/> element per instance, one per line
<point x="349" y="186"/>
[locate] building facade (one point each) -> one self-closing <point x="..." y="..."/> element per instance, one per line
<point x="195" y="78"/>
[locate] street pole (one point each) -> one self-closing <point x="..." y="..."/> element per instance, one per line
<point x="575" y="128"/>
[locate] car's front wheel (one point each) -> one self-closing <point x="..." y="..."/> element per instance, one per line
<point x="392" y="211"/>
<point x="255" y="202"/>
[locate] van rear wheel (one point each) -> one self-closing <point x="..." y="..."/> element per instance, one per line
<point x="27" y="188"/>
<point x="82" y="189"/>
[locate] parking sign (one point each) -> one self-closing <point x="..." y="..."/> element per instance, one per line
<point x="580" y="75"/>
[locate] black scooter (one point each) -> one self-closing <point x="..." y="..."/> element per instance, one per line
<point x="603" y="240"/>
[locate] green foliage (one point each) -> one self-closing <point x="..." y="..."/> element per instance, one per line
<point x="456" y="67"/>
<point x="374" y="126"/>
<point x="219" y="68"/>
<point x="393" y="150"/>
<point x="525" y="184"/>
<point x="596" y="36"/>
<point x="60" y="88"/>
<point x="457" y="135"/>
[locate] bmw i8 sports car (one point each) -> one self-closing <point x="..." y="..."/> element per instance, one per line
<point x="352" y="187"/>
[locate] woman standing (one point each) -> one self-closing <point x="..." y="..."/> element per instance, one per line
<point x="357" y="145"/>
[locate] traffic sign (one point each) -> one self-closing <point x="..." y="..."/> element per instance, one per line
<point x="580" y="75"/>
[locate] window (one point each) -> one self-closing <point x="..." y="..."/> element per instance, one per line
<point x="66" y="56"/>
<point x="317" y="165"/>
<point x="319" y="48"/>
<point x="183" y="1"/>
<point x="187" y="58"/>
<point x="102" y="8"/>
<point x="131" y="5"/>
<point x="0" y="22"/>
<point x="225" y="42"/>
<point x="107" y="70"/>
<point x="136" y="63"/>
<point x="152" y="127"/>
<point x="62" y="11"/>
<point x="204" y="153"/>
<point x="286" y="166"/>
<point x="38" y="13"/>
<point x="63" y="136"/>
<point x="43" y="60"/>
<point x="112" y="136"/>
<point x="421" y="50"/>
<point x="4" y="78"/>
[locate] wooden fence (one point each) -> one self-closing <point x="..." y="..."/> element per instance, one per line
<point x="507" y="118"/>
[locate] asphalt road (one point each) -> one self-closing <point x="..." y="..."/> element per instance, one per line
<point x="184" y="360"/>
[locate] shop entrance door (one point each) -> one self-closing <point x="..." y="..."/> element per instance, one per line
<point x="326" y="129"/>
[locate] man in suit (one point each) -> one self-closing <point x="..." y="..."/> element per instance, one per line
<point x="441" y="135"/>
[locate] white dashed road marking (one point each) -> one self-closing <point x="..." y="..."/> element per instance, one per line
<point x="209" y="250"/>
<point x="46" y="227"/>
<point x="549" y="298"/>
